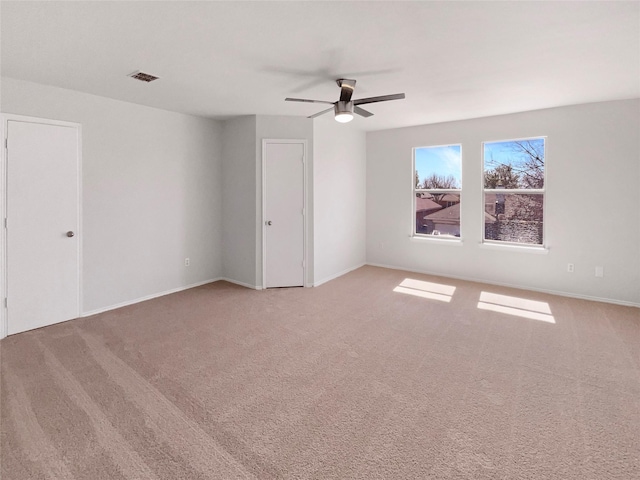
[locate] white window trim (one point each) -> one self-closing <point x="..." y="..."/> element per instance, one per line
<point x="456" y="191"/>
<point x="455" y="241"/>
<point x="516" y="246"/>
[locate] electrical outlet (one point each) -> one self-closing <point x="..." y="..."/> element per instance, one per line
<point x="570" y="267"/>
<point x="186" y="262"/>
<point x="599" y="272"/>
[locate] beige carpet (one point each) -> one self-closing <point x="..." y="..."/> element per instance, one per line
<point x="377" y="374"/>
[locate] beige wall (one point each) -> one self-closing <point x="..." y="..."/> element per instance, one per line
<point x="151" y="182"/>
<point x="239" y="200"/>
<point x="592" y="201"/>
<point x="339" y="197"/>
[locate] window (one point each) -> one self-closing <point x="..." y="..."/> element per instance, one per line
<point x="514" y="191"/>
<point x="437" y="191"/>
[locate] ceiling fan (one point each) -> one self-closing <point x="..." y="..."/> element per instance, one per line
<point x="345" y="107"/>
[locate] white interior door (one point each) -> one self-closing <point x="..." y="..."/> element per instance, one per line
<point x="284" y="214"/>
<point x="42" y="224"/>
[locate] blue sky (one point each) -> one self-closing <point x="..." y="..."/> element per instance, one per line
<point x="496" y="153"/>
<point x="444" y="161"/>
<point x="447" y="160"/>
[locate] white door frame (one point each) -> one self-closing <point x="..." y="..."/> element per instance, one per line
<point x="302" y="142"/>
<point x="5" y="118"/>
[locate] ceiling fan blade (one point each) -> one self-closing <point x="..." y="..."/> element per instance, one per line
<point x="306" y="100"/>
<point x="361" y="111"/>
<point x="320" y="113"/>
<point x="382" y="98"/>
<point x="346" y="89"/>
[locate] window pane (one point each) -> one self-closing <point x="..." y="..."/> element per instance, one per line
<point x="438" y="214"/>
<point x="514" y="164"/>
<point x="513" y="217"/>
<point x="439" y="167"/>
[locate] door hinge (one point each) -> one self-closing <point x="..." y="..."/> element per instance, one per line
<point x="6" y="143"/>
<point x="6" y="305"/>
<point x="5" y="222"/>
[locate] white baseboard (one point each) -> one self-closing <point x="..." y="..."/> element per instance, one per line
<point x="242" y="284"/>
<point x="332" y="277"/>
<point x="317" y="283"/>
<point x="510" y="285"/>
<point x="147" y="297"/>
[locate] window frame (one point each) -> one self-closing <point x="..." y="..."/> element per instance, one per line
<point x="414" y="191"/>
<point x="515" y="191"/>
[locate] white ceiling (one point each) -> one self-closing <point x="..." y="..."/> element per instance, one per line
<point x="454" y="60"/>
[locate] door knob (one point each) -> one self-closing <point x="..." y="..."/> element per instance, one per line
<point x="70" y="234"/>
<point x="269" y="222"/>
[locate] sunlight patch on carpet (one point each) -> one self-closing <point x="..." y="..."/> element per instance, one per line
<point x="521" y="307"/>
<point x="429" y="290"/>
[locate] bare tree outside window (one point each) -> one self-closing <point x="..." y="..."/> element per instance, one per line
<point x="435" y="181"/>
<point x="514" y="174"/>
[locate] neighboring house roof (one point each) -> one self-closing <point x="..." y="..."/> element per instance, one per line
<point x="488" y="218"/>
<point x="451" y="215"/>
<point x="450" y="197"/>
<point x="446" y="215"/>
<point x="426" y="204"/>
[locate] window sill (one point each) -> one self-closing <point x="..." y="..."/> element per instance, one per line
<point x="435" y="239"/>
<point x="515" y="248"/>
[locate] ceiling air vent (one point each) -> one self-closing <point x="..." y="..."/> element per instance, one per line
<point x="143" y="77"/>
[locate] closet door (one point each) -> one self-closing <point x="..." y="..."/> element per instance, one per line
<point x="43" y="248"/>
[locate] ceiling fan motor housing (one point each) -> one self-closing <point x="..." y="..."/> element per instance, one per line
<point x="343" y="107"/>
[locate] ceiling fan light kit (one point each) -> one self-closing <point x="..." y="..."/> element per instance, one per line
<point x="344" y="108"/>
<point x="343" y="111"/>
